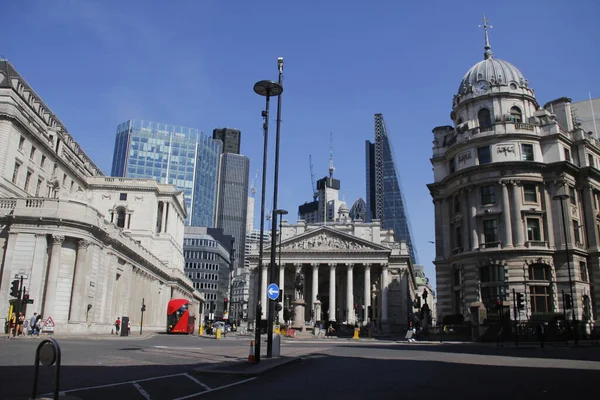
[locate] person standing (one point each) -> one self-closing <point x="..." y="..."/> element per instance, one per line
<point x="117" y="325"/>
<point x="32" y="327"/>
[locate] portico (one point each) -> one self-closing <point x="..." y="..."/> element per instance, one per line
<point x="355" y="271"/>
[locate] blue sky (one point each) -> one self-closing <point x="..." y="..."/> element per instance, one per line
<point x="194" y="63"/>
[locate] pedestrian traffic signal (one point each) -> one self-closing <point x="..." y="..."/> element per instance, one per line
<point x="520" y="301"/>
<point x="14" y="288"/>
<point x="225" y="304"/>
<point x="568" y="301"/>
<point x="498" y="305"/>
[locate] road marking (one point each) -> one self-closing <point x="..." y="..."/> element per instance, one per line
<point x="142" y="391"/>
<point x="198" y="382"/>
<point x="215" y="389"/>
<point x="116" y="384"/>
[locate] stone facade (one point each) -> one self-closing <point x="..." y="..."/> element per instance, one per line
<point x="91" y="247"/>
<point x="344" y="264"/>
<point x="498" y="223"/>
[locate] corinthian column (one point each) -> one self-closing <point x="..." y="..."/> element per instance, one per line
<point x="518" y="219"/>
<point x="51" y="284"/>
<point x="507" y="228"/>
<point x="384" y="292"/>
<point x="78" y="295"/>
<point x="367" y="291"/>
<point x="332" y="291"/>
<point x="350" y="293"/>
<point x="315" y="285"/>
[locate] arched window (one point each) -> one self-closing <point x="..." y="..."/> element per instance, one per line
<point x="121" y="217"/>
<point x="515" y="115"/>
<point x="485" y="118"/>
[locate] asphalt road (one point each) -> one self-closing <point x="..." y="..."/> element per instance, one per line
<point x="162" y="368"/>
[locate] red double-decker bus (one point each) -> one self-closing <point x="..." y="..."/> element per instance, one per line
<point x="180" y="317"/>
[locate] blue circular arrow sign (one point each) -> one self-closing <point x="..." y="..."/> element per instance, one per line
<point x="273" y="291"/>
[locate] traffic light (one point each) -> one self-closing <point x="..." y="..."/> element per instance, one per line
<point x="212" y="306"/>
<point x="568" y="301"/>
<point x="370" y="312"/>
<point x="225" y="304"/>
<point x="356" y="310"/>
<point x="520" y="301"/>
<point x="280" y="297"/>
<point x="143" y="307"/>
<point x="14" y="288"/>
<point x="498" y="305"/>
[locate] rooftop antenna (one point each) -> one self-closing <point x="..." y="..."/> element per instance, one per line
<point x="488" y="48"/>
<point x="312" y="178"/>
<point x="331" y="167"/>
<point x="253" y="187"/>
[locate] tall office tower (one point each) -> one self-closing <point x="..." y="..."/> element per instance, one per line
<point x="230" y="137"/>
<point x="384" y="196"/>
<point x="184" y="157"/>
<point x="232" y="203"/>
<point x="250" y="214"/>
<point x="587" y="114"/>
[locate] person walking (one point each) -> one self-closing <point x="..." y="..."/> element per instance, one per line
<point x="32" y="327"/>
<point x="117" y="325"/>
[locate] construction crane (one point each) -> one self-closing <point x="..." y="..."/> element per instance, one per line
<point x="312" y="178"/>
<point x="253" y="185"/>
<point x="331" y="167"/>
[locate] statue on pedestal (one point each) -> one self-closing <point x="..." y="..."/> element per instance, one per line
<point x="299" y="285"/>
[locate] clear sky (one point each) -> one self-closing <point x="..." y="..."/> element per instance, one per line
<point x="194" y="63"/>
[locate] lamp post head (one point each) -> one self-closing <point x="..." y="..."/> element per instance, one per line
<point x="281" y="212"/>
<point x="268" y="88"/>
<point x="560" y="197"/>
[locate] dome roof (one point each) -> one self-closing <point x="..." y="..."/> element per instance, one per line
<point x="343" y="207"/>
<point x="494" y="71"/>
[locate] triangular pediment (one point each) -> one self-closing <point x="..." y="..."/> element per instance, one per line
<point x="329" y="239"/>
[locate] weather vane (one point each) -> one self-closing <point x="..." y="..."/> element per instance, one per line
<point x="488" y="48"/>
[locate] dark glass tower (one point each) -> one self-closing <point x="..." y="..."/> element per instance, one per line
<point x="230" y="137"/>
<point x="384" y="196"/>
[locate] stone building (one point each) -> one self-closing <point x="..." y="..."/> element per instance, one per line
<point x="90" y="247"/>
<point x="347" y="268"/>
<point x="499" y="223"/>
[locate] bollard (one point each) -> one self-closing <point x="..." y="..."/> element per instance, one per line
<point x="48" y="354"/>
<point x="276" y="345"/>
<point x="251" y="358"/>
<point x="201" y="330"/>
<point x="356" y="334"/>
<point x="218" y="333"/>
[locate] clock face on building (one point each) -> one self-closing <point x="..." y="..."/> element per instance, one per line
<point x="481" y="87"/>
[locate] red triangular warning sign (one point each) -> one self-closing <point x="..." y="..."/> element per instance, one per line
<point x="49" y="322"/>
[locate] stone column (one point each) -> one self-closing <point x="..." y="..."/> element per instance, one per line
<point x="507" y="228"/>
<point x="384" y="293"/>
<point x="549" y="232"/>
<point x="367" y="291"/>
<point x="332" y="291"/>
<point x="590" y="216"/>
<point x="281" y="288"/>
<point x="79" y="293"/>
<point x="465" y="221"/>
<point x="315" y="284"/>
<point x="350" y="293"/>
<point x="473" y="221"/>
<point x="263" y="295"/>
<point x="439" y="229"/>
<point x="51" y="284"/>
<point x="445" y="229"/>
<point x="518" y="219"/>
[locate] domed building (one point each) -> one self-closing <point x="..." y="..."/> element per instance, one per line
<point x="507" y="174"/>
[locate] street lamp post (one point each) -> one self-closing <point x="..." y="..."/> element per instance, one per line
<point x="272" y="270"/>
<point x="561" y="198"/>
<point x="267" y="89"/>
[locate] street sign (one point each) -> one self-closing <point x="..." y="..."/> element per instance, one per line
<point x="48" y="325"/>
<point x="273" y="291"/>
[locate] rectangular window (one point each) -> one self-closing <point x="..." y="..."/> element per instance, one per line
<point x="573" y="195"/>
<point x="530" y="193"/>
<point x="526" y="152"/>
<point x="484" y="155"/>
<point x="123" y="196"/>
<point x="456" y="204"/>
<point x="27" y="180"/>
<point x="38" y="187"/>
<point x="534" y="232"/>
<point x="43" y="161"/>
<point x="490" y="231"/>
<point x="32" y="153"/>
<point x="458" y="236"/>
<point x="583" y="270"/>
<point x="576" y="233"/>
<point x="488" y="195"/>
<point x="567" y="154"/>
<point x="16" y="173"/>
<point x="591" y="160"/>
<point x="540" y="299"/>
<point x="21" y="143"/>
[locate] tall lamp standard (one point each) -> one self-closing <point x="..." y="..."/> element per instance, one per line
<point x="272" y="270"/>
<point x="267" y="89"/>
<point x="562" y="198"/>
<point x="281" y="213"/>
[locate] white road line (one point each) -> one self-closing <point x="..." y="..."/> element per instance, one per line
<point x="198" y="382"/>
<point x="116" y="384"/>
<point x="142" y="391"/>
<point x="215" y="389"/>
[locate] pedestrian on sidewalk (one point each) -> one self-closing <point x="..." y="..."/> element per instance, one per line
<point x="117" y="325"/>
<point x="541" y="334"/>
<point x="32" y="322"/>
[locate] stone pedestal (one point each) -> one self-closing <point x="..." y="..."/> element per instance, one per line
<point x="299" y="308"/>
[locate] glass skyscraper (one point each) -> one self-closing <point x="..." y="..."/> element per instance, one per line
<point x="184" y="157"/>
<point x="384" y="196"/>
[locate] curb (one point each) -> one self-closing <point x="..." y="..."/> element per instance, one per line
<point x="102" y="337"/>
<point x="254" y="370"/>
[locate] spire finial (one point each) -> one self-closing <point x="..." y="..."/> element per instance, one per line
<point x="488" y="49"/>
